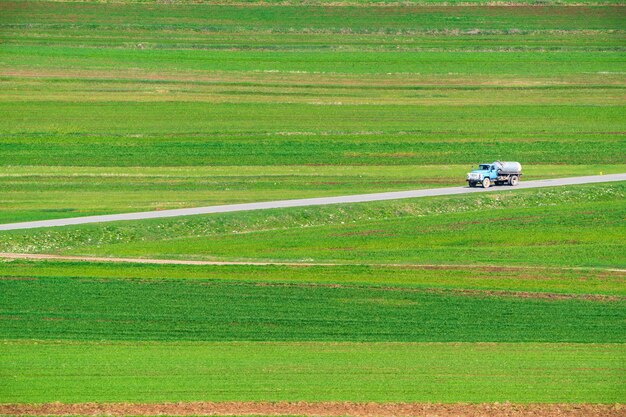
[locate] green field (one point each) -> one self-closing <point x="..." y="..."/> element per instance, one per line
<point x="578" y="226"/>
<point x="257" y="102"/>
<point x="121" y="106"/>
<point x="540" y="281"/>
<point x="41" y="192"/>
<point x="114" y="309"/>
<point x="232" y="371"/>
<point x="499" y="330"/>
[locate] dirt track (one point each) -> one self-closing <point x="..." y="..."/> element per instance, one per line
<point x="318" y="409"/>
<point x="42" y="256"/>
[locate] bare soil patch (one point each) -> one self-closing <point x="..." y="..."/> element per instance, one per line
<point x="317" y="409"/>
<point x="290" y="79"/>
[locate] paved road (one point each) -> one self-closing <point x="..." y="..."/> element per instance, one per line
<point x="359" y="198"/>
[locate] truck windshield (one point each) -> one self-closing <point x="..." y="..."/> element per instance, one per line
<point x="485" y="167"/>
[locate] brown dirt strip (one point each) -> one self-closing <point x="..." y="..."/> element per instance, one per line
<point x="234" y="77"/>
<point x="38" y="256"/>
<point x="41" y="256"/>
<point x="317" y="409"/>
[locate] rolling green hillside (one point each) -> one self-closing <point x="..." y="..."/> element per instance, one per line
<point x="564" y="226"/>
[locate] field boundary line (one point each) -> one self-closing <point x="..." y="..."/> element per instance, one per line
<point x="101" y="259"/>
<point x="320" y="201"/>
<point x="321" y="409"/>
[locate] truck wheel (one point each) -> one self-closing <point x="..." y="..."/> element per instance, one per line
<point x="514" y="180"/>
<point x="486" y="183"/>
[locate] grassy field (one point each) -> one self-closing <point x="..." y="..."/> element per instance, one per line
<point x="119" y="106"/>
<point x="114" y="309"/>
<point x="577" y="226"/>
<point x="555" y="282"/>
<point x="248" y="101"/>
<point x="358" y="332"/>
<point x="467" y="372"/>
<point x="35" y="192"/>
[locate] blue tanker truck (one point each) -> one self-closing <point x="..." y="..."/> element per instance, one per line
<point x="497" y="173"/>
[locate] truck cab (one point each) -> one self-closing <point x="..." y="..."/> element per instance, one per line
<point x="497" y="173"/>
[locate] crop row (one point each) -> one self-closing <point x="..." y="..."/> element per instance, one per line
<point x="205" y="119"/>
<point x="211" y="18"/>
<point x="213" y="310"/>
<point x="563" y="283"/>
<point x="552" y="64"/>
<point x="72" y="372"/>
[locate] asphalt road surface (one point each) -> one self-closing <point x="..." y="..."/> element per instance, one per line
<point x="358" y="198"/>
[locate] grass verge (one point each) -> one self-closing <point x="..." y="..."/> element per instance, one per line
<point x="563" y="226"/>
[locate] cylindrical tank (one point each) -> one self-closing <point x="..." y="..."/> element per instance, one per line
<point x="508" y="167"/>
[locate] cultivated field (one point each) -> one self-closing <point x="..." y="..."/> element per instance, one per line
<point x="112" y="107"/>
<point x="503" y="303"/>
